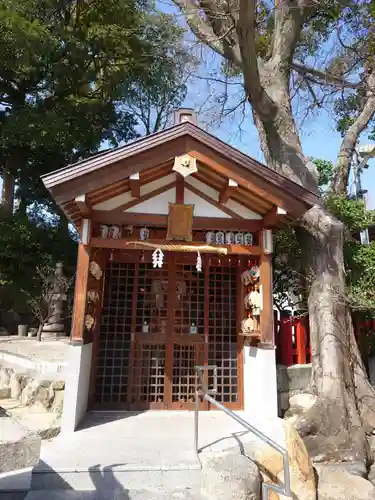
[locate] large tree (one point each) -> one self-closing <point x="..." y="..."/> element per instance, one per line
<point x="64" y="69"/>
<point x="268" y="44"/>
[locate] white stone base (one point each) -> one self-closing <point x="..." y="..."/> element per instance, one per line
<point x="77" y="386"/>
<point x="16" y="480"/>
<point x="260" y="387"/>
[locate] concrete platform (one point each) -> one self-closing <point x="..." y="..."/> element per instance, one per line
<point x="151" y="451"/>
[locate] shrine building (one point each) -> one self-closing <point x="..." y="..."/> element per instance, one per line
<point x="174" y="271"/>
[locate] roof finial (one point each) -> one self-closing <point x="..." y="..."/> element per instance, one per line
<point x="185" y="115"/>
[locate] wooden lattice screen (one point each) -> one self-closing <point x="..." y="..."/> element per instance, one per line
<point x="157" y="324"/>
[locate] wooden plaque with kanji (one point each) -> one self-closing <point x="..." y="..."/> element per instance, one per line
<point x="180" y="222"/>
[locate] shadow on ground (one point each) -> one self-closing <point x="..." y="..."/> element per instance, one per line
<point x="95" y="418"/>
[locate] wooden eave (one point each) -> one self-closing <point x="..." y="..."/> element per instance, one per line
<point x="107" y="174"/>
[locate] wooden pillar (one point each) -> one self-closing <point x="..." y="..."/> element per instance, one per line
<point x="286" y="341"/>
<point x="266" y="313"/>
<point x="300" y="326"/>
<point x="83" y="261"/>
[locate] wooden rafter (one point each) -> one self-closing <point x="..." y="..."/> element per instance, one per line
<point x="84" y="205"/>
<point x="228" y="191"/>
<point x="241" y="196"/>
<point x="135" y="185"/>
<point x="213" y="202"/>
<point x="275" y="217"/>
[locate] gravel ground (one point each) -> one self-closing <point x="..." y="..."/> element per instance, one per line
<point x="52" y="351"/>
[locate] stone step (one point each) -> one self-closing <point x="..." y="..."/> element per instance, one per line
<point x="118" y="494"/>
<point x="113" y="477"/>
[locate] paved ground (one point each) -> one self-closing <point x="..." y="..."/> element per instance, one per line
<point x="152" y="439"/>
<point x="51" y="351"/>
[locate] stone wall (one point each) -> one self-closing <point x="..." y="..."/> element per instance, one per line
<point x="32" y="389"/>
<point x="291" y="380"/>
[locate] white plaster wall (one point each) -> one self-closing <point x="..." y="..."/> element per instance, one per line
<point x="260" y="386"/>
<point x="157" y="205"/>
<point x="77" y="386"/>
<point x="201" y="207"/>
<point x="236" y="207"/>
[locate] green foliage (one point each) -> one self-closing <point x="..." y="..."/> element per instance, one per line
<point x="153" y="98"/>
<point x="351" y="212"/>
<point x="325" y="169"/>
<point x="26" y="244"/>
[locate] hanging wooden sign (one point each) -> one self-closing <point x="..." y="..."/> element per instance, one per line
<point x="180" y="222"/>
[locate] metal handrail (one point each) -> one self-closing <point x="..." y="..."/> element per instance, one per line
<point x="203" y="392"/>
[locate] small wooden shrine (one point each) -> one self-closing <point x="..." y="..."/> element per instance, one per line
<point x="174" y="264"/>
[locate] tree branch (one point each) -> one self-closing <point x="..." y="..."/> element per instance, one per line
<point x="246" y="30"/>
<point x="288" y="26"/>
<point x="203" y="31"/>
<point x="324" y="77"/>
<point x="344" y="157"/>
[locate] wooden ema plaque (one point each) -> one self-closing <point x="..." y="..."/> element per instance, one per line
<point x="180" y="222"/>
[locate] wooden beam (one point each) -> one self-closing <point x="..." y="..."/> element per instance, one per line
<point x="80" y="291"/>
<point x="135" y="185"/>
<point x="266" y="313"/>
<point x="84" y="205"/>
<point x="228" y="191"/>
<point x="274" y="217"/>
<point x="124" y="244"/>
<point x="246" y="177"/>
<point x="180" y="188"/>
<point x="213" y="202"/>
<point x="152" y="220"/>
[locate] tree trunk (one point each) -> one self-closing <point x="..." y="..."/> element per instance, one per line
<point x="7" y="192"/>
<point x="334" y="429"/>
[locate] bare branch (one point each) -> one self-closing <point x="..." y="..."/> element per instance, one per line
<point x="344" y="157"/>
<point x="205" y="31"/>
<point x="322" y="77"/>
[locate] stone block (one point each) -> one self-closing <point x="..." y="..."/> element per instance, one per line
<point x="5" y="393"/>
<point x="229" y="475"/>
<point x="58" y="402"/>
<point x="58" y="385"/>
<point x="344" y="486"/>
<point x="293" y="378"/>
<point x="19" y="449"/>
<point x="270" y="462"/>
<point x="15" y="388"/>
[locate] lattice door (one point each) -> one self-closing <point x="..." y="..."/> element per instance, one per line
<point x="114" y="343"/>
<point x="158" y="324"/>
<point x="188" y="332"/>
<point x="223" y="329"/>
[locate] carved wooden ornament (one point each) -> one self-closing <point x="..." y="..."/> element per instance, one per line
<point x="180" y="222"/>
<point x="185" y="165"/>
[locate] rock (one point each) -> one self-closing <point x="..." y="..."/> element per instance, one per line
<point x="356" y="468"/>
<point x="303" y="401"/>
<point x="45" y="396"/>
<point x="15" y="388"/>
<point x="44" y="383"/>
<point x="371" y="474"/>
<point x="58" y="402"/>
<point x="270" y="462"/>
<point x="19" y="448"/>
<point x="5" y="375"/>
<point x="5" y="393"/>
<point x="229" y="475"/>
<point x="344" y="486"/>
<point x="58" y="385"/>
